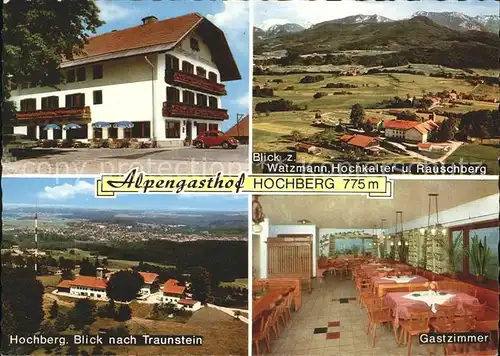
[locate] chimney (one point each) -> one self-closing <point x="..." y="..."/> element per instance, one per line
<point x="149" y="19"/>
<point x="99" y="272"/>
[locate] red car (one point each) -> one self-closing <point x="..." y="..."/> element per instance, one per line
<point x="215" y="138"/>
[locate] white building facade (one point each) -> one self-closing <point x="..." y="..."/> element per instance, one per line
<point x="164" y="77"/>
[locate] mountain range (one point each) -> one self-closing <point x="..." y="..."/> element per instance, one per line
<point x="453" y="20"/>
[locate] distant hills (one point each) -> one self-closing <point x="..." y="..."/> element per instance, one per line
<point x="415" y="40"/>
<point x="453" y="20"/>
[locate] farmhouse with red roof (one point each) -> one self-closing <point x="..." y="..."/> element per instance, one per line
<point x="150" y="285"/>
<point x="161" y="80"/>
<point x="410" y="131"/>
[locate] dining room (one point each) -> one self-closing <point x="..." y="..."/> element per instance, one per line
<point x="350" y="275"/>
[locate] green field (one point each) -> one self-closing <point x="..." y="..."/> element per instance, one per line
<point x="239" y="282"/>
<point x="124" y="264"/>
<point x="477" y="153"/>
<point x="271" y="131"/>
<point x="49" y="281"/>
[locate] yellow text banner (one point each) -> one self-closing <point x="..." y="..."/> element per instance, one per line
<point x="135" y="182"/>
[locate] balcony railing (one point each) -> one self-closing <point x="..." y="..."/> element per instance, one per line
<point x="82" y="113"/>
<point x="193" y="111"/>
<point x="194" y="82"/>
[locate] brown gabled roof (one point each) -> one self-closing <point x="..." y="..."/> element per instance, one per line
<point x="358" y="140"/>
<point x="158" y="36"/>
<point x="174" y="289"/>
<point x="65" y="283"/>
<point x="240" y="129"/>
<point x="149" y="278"/>
<point x="187" y="301"/>
<point x="89" y="282"/>
<point x="400" y="124"/>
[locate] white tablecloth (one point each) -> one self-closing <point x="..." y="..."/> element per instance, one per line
<point x="385" y="269"/>
<point x="402" y="279"/>
<point x="429" y="298"/>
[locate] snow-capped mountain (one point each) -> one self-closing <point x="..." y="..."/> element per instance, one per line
<point x="461" y="22"/>
<point x="356" y="19"/>
<point x="278" y="30"/>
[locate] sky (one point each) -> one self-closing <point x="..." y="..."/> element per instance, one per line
<point x="71" y="192"/>
<point x="231" y="16"/>
<point x="306" y="13"/>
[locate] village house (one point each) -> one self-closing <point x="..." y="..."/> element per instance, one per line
<point x="409" y="131"/>
<point x="150" y="285"/>
<point x="176" y="294"/>
<point x="160" y="81"/>
<point x="241" y="131"/>
<point x="84" y="286"/>
<point x="369" y="144"/>
<point x="308" y="148"/>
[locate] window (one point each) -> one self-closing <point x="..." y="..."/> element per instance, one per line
<point x="28" y="105"/>
<point x="173" y="129"/>
<point x="75" y="100"/>
<point x="212" y="77"/>
<point x="490" y="235"/>
<point x="97" y="71"/>
<point x="171" y="62"/>
<point x="97" y="97"/>
<point x="188" y="97"/>
<point x="80" y="74"/>
<point x="187" y="67"/>
<point x="201" y="127"/>
<point x="77" y="134"/>
<point x="194" y="44"/>
<point x="70" y="76"/>
<point x="141" y="129"/>
<point x="172" y="95"/>
<point x="201" y="72"/>
<point x="201" y="100"/>
<point x="50" y="102"/>
<point x="212" y="102"/>
<point x="213" y="127"/>
<point x="112" y="132"/>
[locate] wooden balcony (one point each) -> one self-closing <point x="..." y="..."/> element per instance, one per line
<point x="193" y="111"/>
<point x="82" y="113"/>
<point x="191" y="81"/>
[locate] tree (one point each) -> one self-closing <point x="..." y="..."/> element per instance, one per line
<point x="22" y="311"/>
<point x="62" y="322"/>
<point x="124" y="285"/>
<point x="296" y="135"/>
<point x="357" y="116"/>
<point x="124" y="313"/>
<point x="67" y="274"/>
<point x="87" y="268"/>
<point x="54" y="310"/>
<point x="82" y="313"/>
<point x="37" y="34"/>
<point x="409" y="115"/>
<point x="447" y="130"/>
<point x="200" y="284"/>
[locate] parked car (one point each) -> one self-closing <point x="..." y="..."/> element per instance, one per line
<point x="215" y="138"/>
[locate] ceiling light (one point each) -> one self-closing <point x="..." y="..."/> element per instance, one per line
<point x="303" y="221"/>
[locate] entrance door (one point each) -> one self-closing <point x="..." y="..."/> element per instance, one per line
<point x="188" y="130"/>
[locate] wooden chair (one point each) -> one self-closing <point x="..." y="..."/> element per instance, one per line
<point x="274" y="323"/>
<point x="378" y="313"/>
<point x="261" y="331"/>
<point x="444" y="323"/>
<point x="450" y="285"/>
<point x="417" y="323"/>
<point x="283" y="310"/>
<point x="418" y="288"/>
<point x="467" y="289"/>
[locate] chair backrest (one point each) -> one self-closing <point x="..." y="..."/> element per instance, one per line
<point x="448" y="285"/>
<point x="396" y="289"/>
<point x="467" y="289"/>
<point x="416" y="288"/>
<point x="418" y="318"/>
<point x="446" y="312"/>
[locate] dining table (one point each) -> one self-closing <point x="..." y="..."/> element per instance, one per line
<point x="266" y="301"/>
<point x="401" y="301"/>
<point x="402" y="280"/>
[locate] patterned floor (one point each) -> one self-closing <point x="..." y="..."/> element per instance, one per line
<point x="331" y="323"/>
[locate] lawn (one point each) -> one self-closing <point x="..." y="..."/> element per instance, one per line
<point x="477" y="153"/>
<point x="271" y="131"/>
<point x="125" y="264"/>
<point x="239" y="282"/>
<point x="49" y="281"/>
<point x="222" y="335"/>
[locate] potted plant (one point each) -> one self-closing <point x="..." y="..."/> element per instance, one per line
<point x="454" y="252"/>
<point x="479" y="253"/>
<point x="187" y="142"/>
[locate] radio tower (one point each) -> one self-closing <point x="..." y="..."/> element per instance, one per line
<point x="36" y="238"/>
